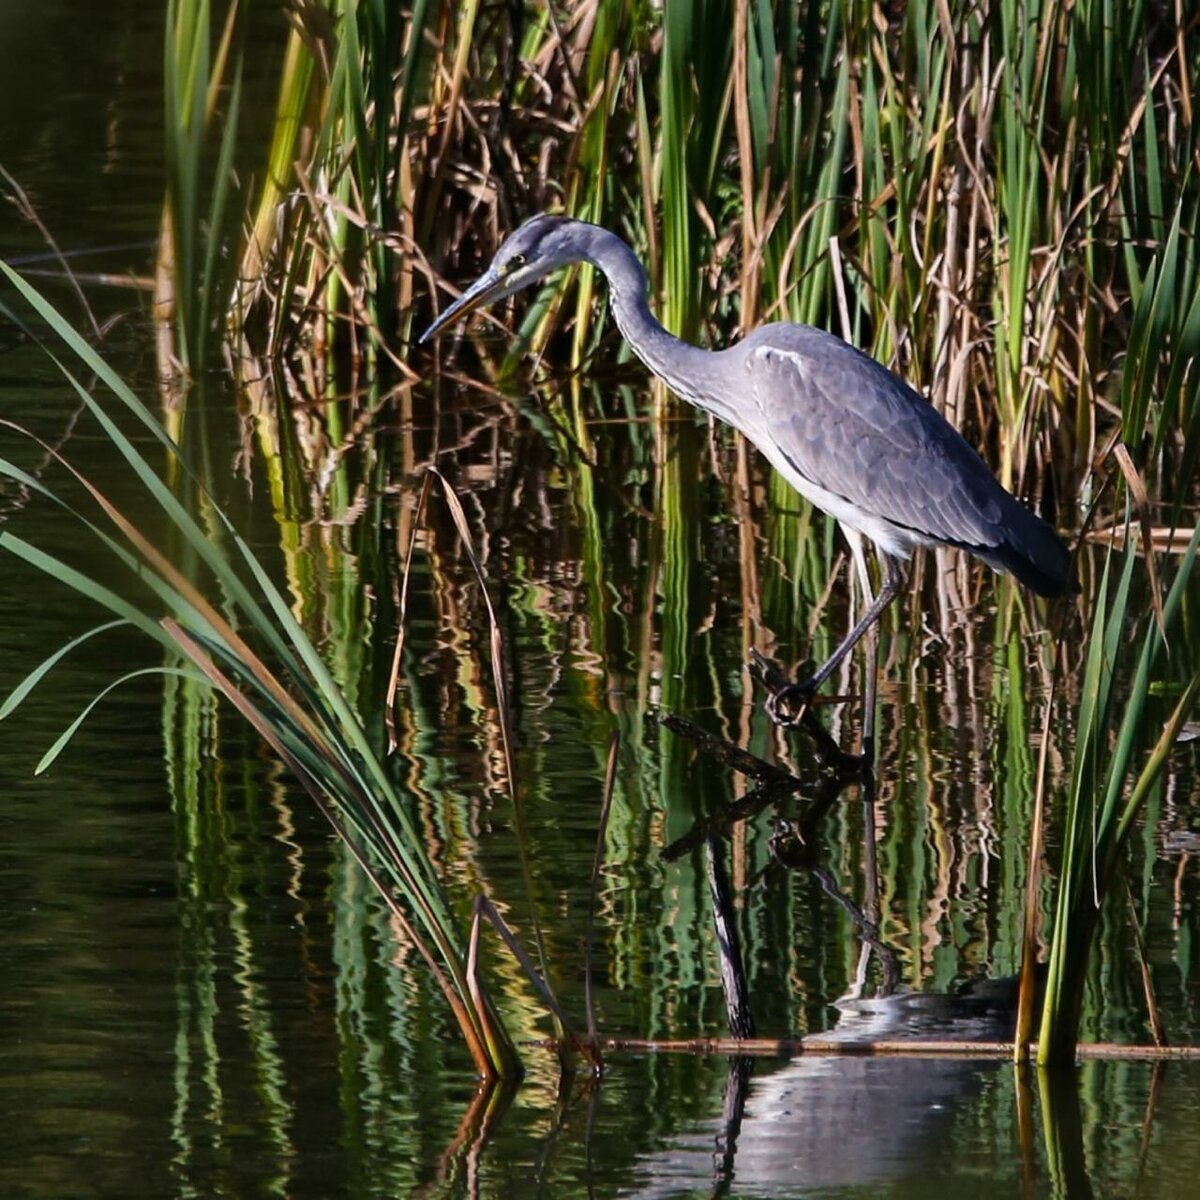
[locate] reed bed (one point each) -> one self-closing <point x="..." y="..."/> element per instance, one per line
<point x="994" y="199"/>
<point x="989" y="197"/>
<point x="998" y="200"/>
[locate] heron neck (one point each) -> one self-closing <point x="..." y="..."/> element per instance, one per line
<point x="682" y="366"/>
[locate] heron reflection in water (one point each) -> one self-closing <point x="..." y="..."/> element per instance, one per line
<point x="846" y="433"/>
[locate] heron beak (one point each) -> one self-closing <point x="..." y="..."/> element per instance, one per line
<point x="486" y="288"/>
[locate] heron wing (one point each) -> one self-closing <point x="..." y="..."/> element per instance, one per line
<point x="846" y="424"/>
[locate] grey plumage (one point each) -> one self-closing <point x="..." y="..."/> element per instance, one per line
<point x="843" y="430"/>
<point x="847" y="424"/>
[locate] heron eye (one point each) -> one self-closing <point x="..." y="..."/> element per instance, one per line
<point x="517" y="260"/>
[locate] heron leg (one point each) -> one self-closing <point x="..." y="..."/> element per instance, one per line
<point x="789" y="701"/>
<point x="871" y="674"/>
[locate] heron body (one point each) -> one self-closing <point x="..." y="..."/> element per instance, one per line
<point x="845" y="432"/>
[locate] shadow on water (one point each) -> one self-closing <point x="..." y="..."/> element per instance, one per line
<point x="794" y="844"/>
<point x="852" y="1120"/>
<point x="858" y="1119"/>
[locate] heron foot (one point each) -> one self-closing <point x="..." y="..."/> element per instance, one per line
<point x="788" y="704"/>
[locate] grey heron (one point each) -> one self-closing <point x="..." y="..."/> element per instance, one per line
<point x="845" y="432"/>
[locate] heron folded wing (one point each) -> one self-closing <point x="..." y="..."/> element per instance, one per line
<point x="852" y="430"/>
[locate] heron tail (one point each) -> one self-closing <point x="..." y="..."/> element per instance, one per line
<point x="1032" y="551"/>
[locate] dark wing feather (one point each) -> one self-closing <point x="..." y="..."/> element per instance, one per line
<point x="850" y="426"/>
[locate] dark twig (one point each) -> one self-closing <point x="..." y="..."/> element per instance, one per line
<point x="727" y="753"/>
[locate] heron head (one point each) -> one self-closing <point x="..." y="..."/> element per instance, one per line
<point x="540" y="246"/>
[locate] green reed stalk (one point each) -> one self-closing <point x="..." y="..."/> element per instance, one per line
<point x="680" y="302"/>
<point x="292" y="118"/>
<point x="1114" y="770"/>
<point x="193" y="276"/>
<point x="588" y="185"/>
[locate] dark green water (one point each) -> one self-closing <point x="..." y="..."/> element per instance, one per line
<point x="199" y="996"/>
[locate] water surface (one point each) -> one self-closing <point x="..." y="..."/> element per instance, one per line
<point x="203" y="998"/>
